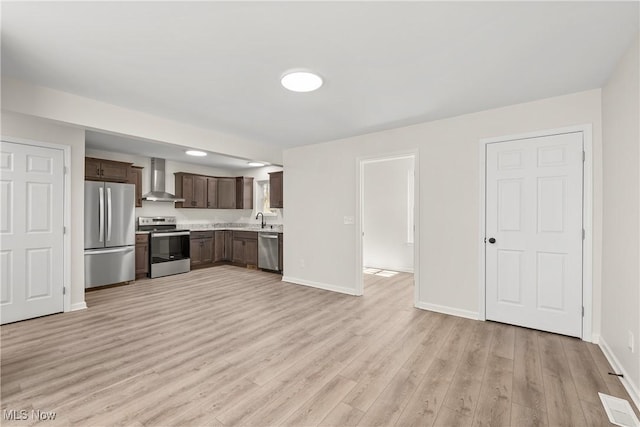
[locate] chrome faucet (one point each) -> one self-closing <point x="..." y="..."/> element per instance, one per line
<point x="262" y="224"/>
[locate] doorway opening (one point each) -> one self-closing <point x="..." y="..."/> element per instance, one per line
<point x="387" y="244"/>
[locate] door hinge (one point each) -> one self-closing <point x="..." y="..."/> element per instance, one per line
<point x="584" y="156"/>
<point x="64" y="230"/>
<point x="583" y="311"/>
<point x="584" y="234"/>
<point x="64" y="290"/>
<point x="65" y="170"/>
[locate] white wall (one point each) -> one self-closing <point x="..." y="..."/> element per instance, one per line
<point x="32" y="128"/>
<point x="320" y="188"/>
<point x="621" y="216"/>
<point x="90" y="114"/>
<point x="190" y="216"/>
<point x="385" y="215"/>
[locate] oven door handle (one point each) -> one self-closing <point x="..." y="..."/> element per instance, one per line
<point x="178" y="233"/>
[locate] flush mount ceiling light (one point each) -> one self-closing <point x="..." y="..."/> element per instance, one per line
<point x="256" y="164"/>
<point x="196" y="153"/>
<point x="301" y="81"/>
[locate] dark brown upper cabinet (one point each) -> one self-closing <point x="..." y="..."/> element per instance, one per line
<point x="106" y="170"/>
<point x="213" y="192"/>
<point x="226" y="193"/>
<point x="275" y="189"/>
<point x="193" y="189"/>
<point x="244" y="193"/>
<point x="135" y="177"/>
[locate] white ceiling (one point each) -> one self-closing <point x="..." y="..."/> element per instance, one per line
<point x="217" y="64"/>
<point x="122" y="144"/>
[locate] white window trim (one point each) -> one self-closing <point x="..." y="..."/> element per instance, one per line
<point x="257" y="206"/>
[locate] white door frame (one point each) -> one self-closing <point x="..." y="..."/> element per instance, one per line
<point x="587" y="219"/>
<point x="66" y="208"/>
<point x="360" y="164"/>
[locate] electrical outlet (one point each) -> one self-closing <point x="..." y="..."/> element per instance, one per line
<point x="630" y="341"/>
<point x="348" y="220"/>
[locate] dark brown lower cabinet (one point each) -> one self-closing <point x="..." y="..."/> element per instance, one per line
<point x="245" y="248"/>
<point x="208" y="248"/>
<point x="201" y="248"/>
<point x="222" y="245"/>
<point x="142" y="255"/>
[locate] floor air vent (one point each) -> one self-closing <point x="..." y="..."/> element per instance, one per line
<point x="619" y="411"/>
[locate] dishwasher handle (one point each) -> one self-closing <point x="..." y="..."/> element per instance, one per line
<point x="268" y="236"/>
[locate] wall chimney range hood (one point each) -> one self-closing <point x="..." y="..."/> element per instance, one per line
<point x="158" y="193"/>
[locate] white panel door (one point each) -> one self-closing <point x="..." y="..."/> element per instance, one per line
<point x="534" y="213"/>
<point x="31" y="233"/>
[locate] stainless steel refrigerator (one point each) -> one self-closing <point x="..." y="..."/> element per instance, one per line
<point x="109" y="233"/>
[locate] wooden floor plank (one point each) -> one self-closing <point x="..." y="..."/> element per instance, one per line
<point x="423" y="405"/>
<point x="388" y="406"/>
<point x="321" y="404"/>
<point x="342" y="415"/>
<point x="584" y="372"/>
<point x="594" y="415"/>
<point x="528" y="386"/>
<point x="242" y="348"/>
<point x="613" y="382"/>
<point x="563" y="404"/>
<point x="448" y="418"/>
<point x="522" y="416"/>
<point x="494" y="403"/>
<point x="462" y="395"/>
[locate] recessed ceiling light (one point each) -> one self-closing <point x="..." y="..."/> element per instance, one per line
<point x="301" y="81"/>
<point x="256" y="164"/>
<point x="196" y="153"/>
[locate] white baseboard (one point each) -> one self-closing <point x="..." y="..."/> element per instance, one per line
<point x="595" y="338"/>
<point x="448" y="310"/>
<point x="324" y="286"/>
<point x="628" y="384"/>
<point x="401" y="270"/>
<point x="78" y="306"/>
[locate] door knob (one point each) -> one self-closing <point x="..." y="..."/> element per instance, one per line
<point x="492" y="240"/>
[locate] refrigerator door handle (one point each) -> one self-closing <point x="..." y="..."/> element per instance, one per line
<point x="101" y="214"/>
<point x="109" y="214"/>
<point x="109" y="251"/>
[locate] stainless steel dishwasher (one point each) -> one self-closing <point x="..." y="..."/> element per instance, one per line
<point x="268" y="250"/>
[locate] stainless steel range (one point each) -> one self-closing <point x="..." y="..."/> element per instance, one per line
<point x="169" y="247"/>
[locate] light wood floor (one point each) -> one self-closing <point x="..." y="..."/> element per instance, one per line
<point x="234" y="347"/>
